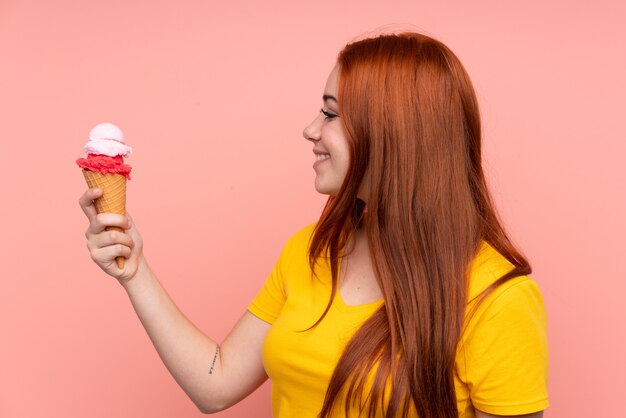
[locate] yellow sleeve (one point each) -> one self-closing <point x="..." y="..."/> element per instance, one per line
<point x="269" y="302"/>
<point x="506" y="351"/>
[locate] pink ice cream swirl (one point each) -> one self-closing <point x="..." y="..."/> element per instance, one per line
<point x="106" y="150"/>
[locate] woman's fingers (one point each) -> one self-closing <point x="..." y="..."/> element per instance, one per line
<point x="109" y="238"/>
<point x="101" y="221"/>
<point x="105" y="246"/>
<point x="109" y="253"/>
<point x="86" y="202"/>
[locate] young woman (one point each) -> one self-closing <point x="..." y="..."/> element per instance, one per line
<point x="405" y="299"/>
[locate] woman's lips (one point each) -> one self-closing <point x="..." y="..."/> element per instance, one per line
<point x="320" y="158"/>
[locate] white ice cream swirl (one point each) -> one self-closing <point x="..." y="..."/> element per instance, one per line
<point x="107" y="139"/>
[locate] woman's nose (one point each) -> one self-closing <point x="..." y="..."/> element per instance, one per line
<point x="312" y="132"/>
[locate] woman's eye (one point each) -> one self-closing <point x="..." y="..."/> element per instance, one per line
<point x="327" y="114"/>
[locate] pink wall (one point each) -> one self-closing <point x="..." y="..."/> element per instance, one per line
<point x="218" y="93"/>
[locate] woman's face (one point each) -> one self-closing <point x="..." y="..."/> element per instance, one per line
<point x="330" y="146"/>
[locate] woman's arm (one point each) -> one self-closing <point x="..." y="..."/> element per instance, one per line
<point x="186" y="352"/>
<point x="189" y="354"/>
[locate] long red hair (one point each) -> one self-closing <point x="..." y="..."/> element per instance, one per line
<point x="412" y="122"/>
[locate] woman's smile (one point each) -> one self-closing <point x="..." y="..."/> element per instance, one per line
<point x="320" y="157"/>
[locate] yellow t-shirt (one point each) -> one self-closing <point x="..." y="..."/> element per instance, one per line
<point x="501" y="361"/>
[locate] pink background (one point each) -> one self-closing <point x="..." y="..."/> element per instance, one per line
<point x="214" y="96"/>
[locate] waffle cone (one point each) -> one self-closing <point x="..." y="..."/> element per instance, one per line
<point x="113" y="199"/>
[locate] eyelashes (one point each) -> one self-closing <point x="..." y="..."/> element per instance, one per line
<point x="328" y="115"/>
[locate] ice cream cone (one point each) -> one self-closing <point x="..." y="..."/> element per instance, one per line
<point x="113" y="199"/>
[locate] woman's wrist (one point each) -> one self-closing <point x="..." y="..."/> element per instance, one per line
<point x="141" y="275"/>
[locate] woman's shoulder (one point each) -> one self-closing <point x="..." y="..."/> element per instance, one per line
<point x="515" y="306"/>
<point x="298" y="243"/>
<point x="502" y="357"/>
<point x="302" y="237"/>
<point x="487" y="267"/>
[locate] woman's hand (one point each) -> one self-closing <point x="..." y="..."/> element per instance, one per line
<point x="105" y="245"/>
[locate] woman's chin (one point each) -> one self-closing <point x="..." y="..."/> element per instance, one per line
<point x="324" y="189"/>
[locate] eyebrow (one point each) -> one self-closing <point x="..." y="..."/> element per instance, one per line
<point x="329" y="97"/>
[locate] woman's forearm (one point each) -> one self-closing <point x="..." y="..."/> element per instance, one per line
<point x="185" y="350"/>
<point x="213" y="379"/>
